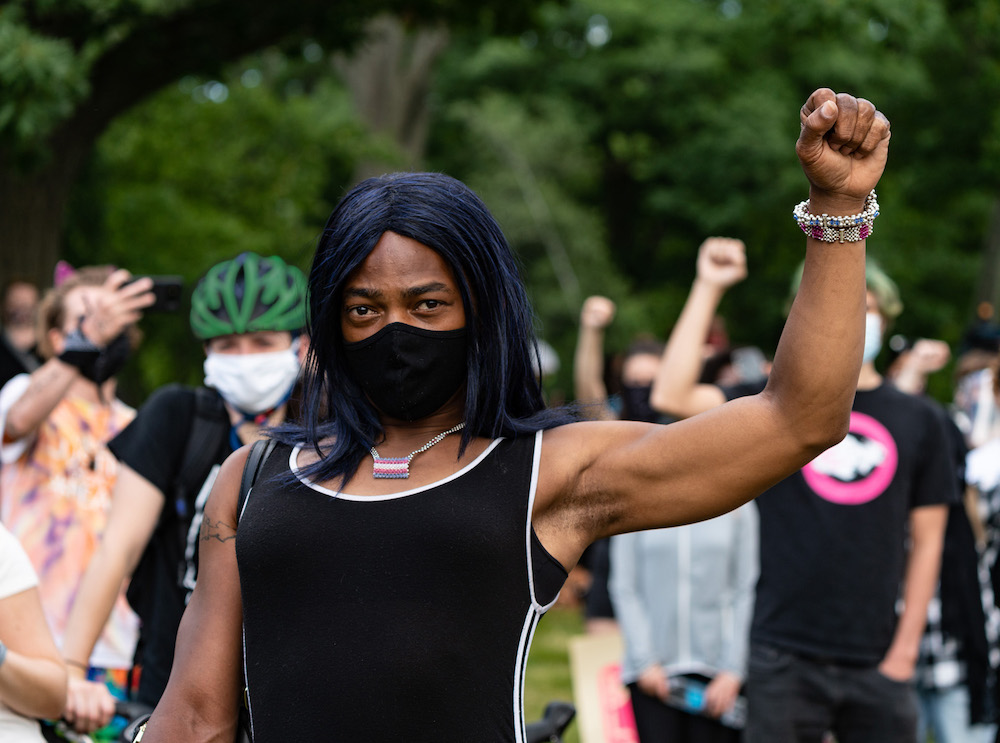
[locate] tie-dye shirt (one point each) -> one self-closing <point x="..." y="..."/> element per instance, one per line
<point x="55" y="494"/>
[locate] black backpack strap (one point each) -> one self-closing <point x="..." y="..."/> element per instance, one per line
<point x="260" y="450"/>
<point x="209" y="425"/>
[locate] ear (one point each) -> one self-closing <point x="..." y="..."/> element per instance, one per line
<point x="303" y="348"/>
<point x="57" y="341"/>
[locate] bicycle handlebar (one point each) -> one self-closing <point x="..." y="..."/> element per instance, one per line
<point x="555" y="720"/>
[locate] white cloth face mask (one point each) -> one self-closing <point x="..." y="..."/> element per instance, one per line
<point x="253" y="382"/>
<point x="873" y="336"/>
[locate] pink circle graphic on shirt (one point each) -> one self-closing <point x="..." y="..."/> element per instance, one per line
<point x="858" y="469"/>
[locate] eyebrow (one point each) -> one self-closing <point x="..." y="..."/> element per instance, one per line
<point x="434" y="286"/>
<point x="362" y="292"/>
<point x="414" y="291"/>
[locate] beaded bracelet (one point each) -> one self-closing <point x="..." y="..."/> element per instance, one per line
<point x="829" y="229"/>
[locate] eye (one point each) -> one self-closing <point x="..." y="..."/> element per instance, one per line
<point x="360" y="310"/>
<point x="430" y="304"/>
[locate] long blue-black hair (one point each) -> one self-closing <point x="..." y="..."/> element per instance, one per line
<point x="503" y="393"/>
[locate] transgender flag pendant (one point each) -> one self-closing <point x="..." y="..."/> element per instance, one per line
<point x="398" y="468"/>
<point x="391" y="468"/>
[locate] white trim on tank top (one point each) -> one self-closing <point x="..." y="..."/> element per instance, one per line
<point x="294" y="467"/>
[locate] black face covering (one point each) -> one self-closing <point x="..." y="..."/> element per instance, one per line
<point x="407" y="372"/>
<point x="112" y="359"/>
<point x="635" y="404"/>
<point x="95" y="363"/>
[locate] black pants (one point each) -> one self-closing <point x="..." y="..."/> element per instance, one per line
<point x="657" y="722"/>
<point x="792" y="699"/>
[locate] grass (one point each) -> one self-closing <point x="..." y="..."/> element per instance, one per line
<point x="548" y="674"/>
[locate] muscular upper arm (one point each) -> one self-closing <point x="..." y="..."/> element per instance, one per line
<point x="599" y="478"/>
<point x="202" y="696"/>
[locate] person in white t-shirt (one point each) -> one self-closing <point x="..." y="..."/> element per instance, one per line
<point x="32" y="675"/>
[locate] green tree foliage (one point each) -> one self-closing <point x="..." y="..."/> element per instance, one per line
<point x="609" y="138"/>
<point x="211" y="168"/>
<point x="683" y="117"/>
<point x="68" y="68"/>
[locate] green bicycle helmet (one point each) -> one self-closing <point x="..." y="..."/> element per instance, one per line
<point x="246" y="294"/>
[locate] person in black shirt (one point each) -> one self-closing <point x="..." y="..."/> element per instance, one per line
<point x="841" y="540"/>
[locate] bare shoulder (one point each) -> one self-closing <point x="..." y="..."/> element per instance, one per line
<point x="570" y="447"/>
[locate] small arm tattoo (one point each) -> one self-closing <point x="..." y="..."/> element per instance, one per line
<point x="218" y="530"/>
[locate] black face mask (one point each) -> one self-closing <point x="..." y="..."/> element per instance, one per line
<point x="635" y="404"/>
<point x="407" y="372"/>
<point x="95" y="363"/>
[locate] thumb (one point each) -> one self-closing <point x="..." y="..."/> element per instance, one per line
<point x="814" y="128"/>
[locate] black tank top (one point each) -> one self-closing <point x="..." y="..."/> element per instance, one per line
<point x="393" y="618"/>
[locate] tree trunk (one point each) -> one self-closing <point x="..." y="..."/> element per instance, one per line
<point x="32" y="212"/>
<point x="157" y="50"/>
<point x="389" y="78"/>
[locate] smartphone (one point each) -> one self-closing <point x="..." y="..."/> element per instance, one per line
<point x="168" y="292"/>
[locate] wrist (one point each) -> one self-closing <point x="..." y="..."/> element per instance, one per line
<point x="75" y="669"/>
<point x="902" y="653"/>
<point x="827" y="221"/>
<point x="91" y="328"/>
<point x="825" y="202"/>
<point x="708" y="286"/>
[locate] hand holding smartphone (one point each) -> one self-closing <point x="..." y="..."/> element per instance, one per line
<point x="167" y="291"/>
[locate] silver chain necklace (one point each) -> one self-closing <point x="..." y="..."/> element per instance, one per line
<point x="398" y="468"/>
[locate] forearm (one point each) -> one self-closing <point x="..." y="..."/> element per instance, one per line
<point x="95" y="600"/>
<point x="201" y="701"/>
<point x="677" y="377"/>
<point x="588" y="366"/>
<point x="34" y="687"/>
<point x="49" y="384"/>
<point x="922" y="571"/>
<point x="816" y="366"/>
